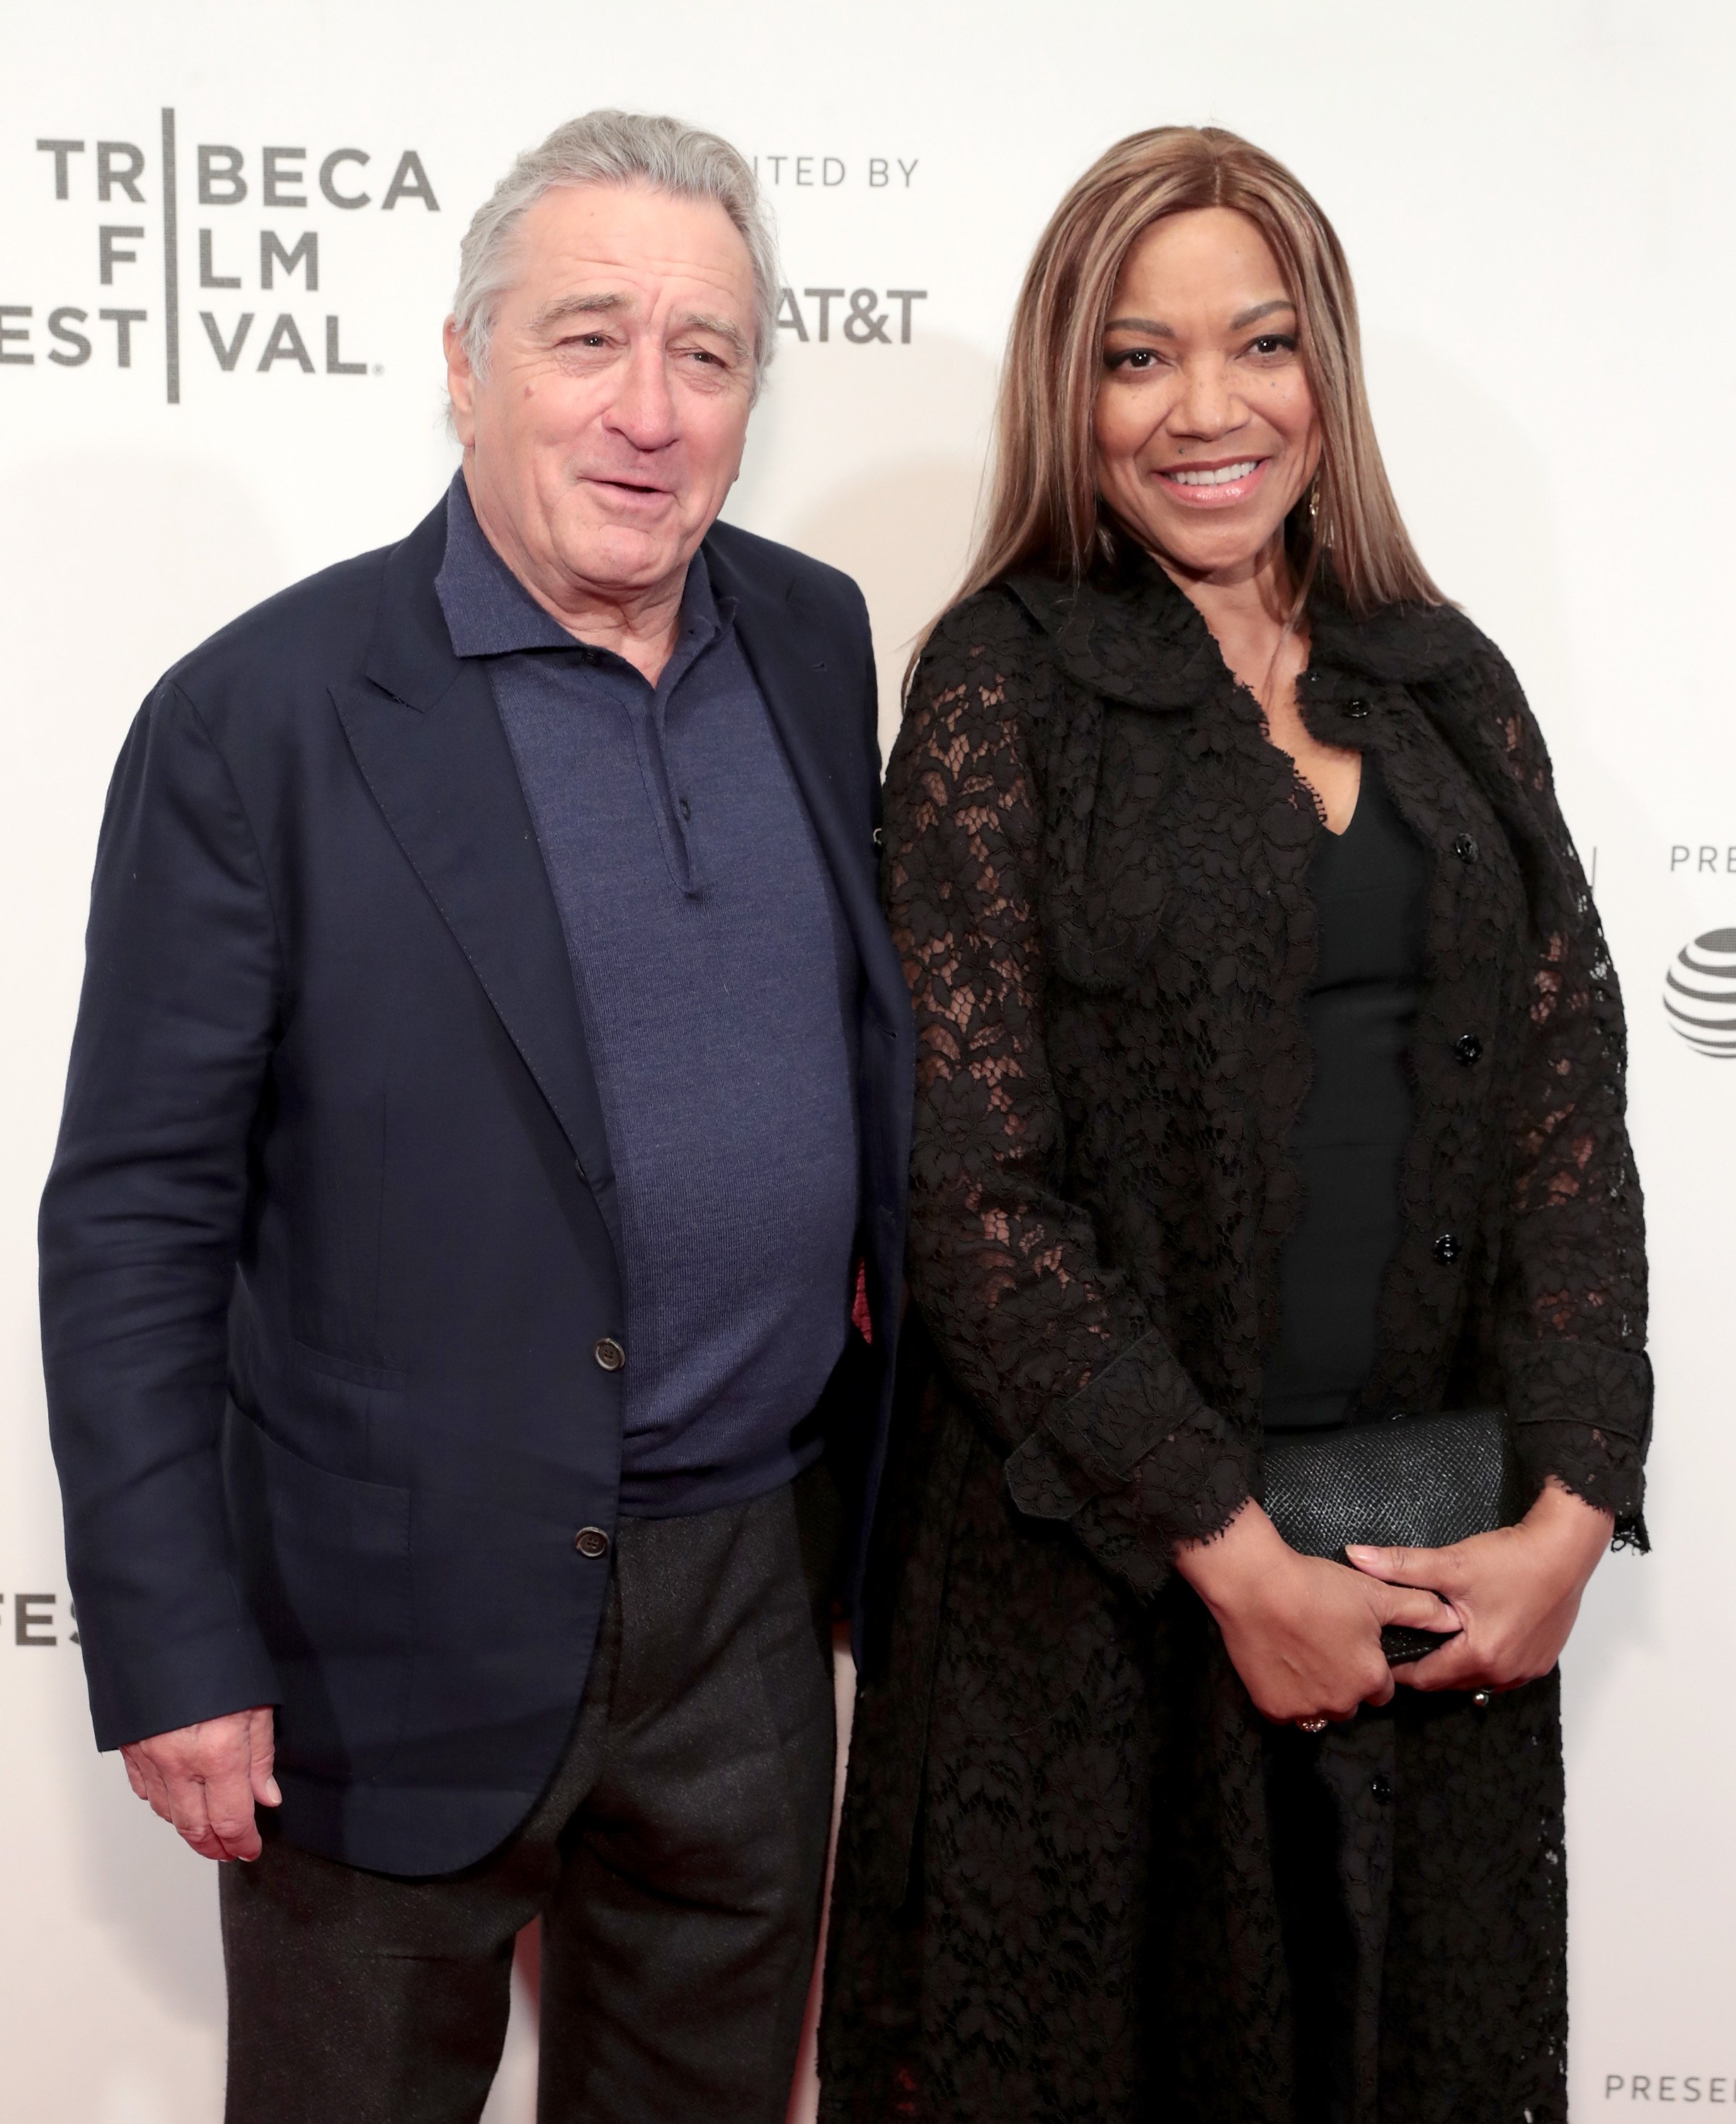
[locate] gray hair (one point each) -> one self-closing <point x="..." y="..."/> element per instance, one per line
<point x="615" y="147"/>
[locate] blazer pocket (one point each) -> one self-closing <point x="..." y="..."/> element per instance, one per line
<point x="325" y="1560"/>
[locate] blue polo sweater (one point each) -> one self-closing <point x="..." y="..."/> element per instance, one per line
<point x="717" y="984"/>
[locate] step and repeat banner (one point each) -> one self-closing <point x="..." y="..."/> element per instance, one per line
<point x="228" y="239"/>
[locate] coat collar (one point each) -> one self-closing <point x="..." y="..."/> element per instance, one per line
<point x="1128" y="632"/>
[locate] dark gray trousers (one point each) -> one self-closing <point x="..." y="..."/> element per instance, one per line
<point x="677" y="1861"/>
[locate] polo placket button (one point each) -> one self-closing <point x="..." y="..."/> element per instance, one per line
<point x="610" y="1354"/>
<point x="1468" y="1048"/>
<point x="1465" y="848"/>
<point x="591" y="1543"/>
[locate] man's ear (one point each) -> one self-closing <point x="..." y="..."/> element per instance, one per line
<point x="460" y="383"/>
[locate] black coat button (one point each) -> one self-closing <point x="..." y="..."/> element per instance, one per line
<point x="1465" y="848"/>
<point x="1356" y="710"/>
<point x="1447" y="1247"/>
<point x="1380" y="1785"/>
<point x="591" y="1542"/>
<point x="610" y="1354"/>
<point x="1468" y="1048"/>
<point x="879" y="837"/>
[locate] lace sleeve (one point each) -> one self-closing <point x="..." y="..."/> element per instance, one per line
<point x="1572" y="1300"/>
<point x="1101" y="1426"/>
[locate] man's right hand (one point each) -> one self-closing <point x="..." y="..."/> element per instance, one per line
<point x="1305" y="1641"/>
<point x="206" y="1780"/>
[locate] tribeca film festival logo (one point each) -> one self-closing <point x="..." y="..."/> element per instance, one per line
<point x="139" y="209"/>
<point x="36" y="1622"/>
<point x="125" y="210"/>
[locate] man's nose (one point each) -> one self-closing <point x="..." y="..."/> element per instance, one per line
<point x="644" y="408"/>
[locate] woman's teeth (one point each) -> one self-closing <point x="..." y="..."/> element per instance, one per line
<point x="1220" y="477"/>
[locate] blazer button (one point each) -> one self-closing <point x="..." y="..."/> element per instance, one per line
<point x="610" y="1354"/>
<point x="1468" y="1048"/>
<point x="1380" y="1785"/>
<point x="879" y="837"/>
<point x="1356" y="710"/>
<point x="1447" y="1247"/>
<point x="1465" y="848"/>
<point x="591" y="1543"/>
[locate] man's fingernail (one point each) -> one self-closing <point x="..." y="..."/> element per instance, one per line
<point x="273" y="1796"/>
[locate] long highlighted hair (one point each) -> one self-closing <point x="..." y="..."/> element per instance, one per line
<point x="1344" y="536"/>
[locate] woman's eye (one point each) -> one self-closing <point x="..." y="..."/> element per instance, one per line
<point x="1136" y="357"/>
<point x="1273" y="343"/>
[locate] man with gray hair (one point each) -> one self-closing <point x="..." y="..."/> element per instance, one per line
<point x="471" y="1261"/>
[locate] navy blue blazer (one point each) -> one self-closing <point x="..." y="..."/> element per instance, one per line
<point x="331" y="1234"/>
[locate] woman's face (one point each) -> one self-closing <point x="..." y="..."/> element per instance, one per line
<point x="1204" y="424"/>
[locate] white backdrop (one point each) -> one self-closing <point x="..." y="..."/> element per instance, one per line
<point x="1535" y="197"/>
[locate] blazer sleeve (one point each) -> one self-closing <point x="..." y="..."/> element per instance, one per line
<point x="140" y="1230"/>
<point x="1101" y="1426"/>
<point x="1571" y="1300"/>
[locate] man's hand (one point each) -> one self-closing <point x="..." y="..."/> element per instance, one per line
<point x="206" y="1778"/>
<point x="1515" y="1593"/>
<point x="1301" y="1630"/>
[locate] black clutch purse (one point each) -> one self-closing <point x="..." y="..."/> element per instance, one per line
<point x="1408" y="1482"/>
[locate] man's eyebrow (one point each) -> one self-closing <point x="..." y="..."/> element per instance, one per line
<point x="1154" y="330"/>
<point x="577" y="306"/>
<point x="604" y="302"/>
<point x="718" y="327"/>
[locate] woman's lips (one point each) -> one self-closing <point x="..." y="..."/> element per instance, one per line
<point x="1213" y="487"/>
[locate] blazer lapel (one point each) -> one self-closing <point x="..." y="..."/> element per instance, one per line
<point x="799" y="690"/>
<point x="428" y="738"/>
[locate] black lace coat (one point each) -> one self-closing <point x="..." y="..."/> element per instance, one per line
<point x="1079" y="1877"/>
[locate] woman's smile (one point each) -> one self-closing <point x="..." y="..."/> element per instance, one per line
<point x="1217" y="486"/>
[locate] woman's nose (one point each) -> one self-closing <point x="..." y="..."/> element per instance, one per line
<point x="1206" y="405"/>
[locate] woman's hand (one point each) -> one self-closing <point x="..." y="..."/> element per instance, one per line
<point x="1304" y="1634"/>
<point x="1515" y="1593"/>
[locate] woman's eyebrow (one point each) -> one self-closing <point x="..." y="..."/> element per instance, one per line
<point x="1237" y="323"/>
<point x="1261" y="310"/>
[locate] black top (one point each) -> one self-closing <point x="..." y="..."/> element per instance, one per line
<point x="1369" y="885"/>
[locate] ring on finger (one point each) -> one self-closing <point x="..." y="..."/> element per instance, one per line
<point x="1311" y="1725"/>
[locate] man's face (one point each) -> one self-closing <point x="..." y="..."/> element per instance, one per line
<point x="601" y="443"/>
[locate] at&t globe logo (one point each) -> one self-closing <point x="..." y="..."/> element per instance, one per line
<point x="1700" y="993"/>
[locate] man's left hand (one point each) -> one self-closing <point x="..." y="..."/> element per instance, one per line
<point x="206" y="1780"/>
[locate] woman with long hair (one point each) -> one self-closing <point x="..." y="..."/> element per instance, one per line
<point x="1271" y="1088"/>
